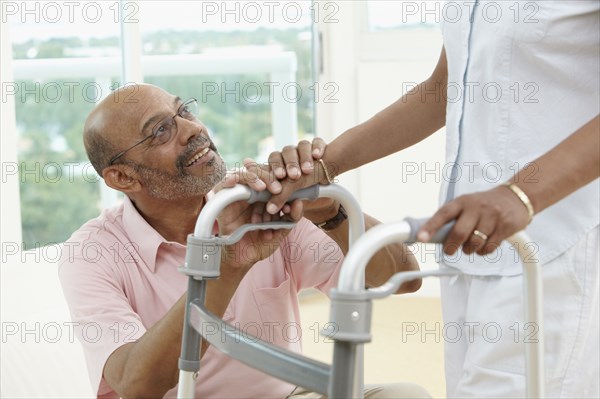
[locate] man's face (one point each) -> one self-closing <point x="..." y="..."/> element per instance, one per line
<point x="186" y="165"/>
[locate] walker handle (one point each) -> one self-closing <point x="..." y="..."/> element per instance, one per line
<point x="438" y="238"/>
<point x="309" y="193"/>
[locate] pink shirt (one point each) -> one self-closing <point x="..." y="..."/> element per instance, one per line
<point x="120" y="277"/>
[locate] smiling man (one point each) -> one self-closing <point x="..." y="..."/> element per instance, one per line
<point x="121" y="281"/>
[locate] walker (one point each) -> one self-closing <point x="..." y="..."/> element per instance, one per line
<point x="351" y="302"/>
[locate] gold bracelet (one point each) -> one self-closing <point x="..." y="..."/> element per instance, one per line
<point x="327" y="176"/>
<point x="523" y="197"/>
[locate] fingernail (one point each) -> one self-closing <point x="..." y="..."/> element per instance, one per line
<point x="272" y="208"/>
<point x="276" y="187"/>
<point x="279" y="172"/>
<point x="316" y="151"/>
<point x="293" y="171"/>
<point x="307" y="165"/>
<point x="423" y="236"/>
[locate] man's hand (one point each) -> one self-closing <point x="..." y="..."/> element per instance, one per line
<point x="255" y="245"/>
<point x="320" y="210"/>
<point x="495" y="214"/>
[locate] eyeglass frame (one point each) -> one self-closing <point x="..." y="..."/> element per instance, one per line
<point x="153" y="135"/>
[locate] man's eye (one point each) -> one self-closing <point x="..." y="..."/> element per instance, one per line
<point x="161" y="130"/>
<point x="161" y="133"/>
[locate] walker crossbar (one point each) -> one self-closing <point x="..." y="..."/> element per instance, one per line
<point x="260" y="355"/>
<point x="391" y="286"/>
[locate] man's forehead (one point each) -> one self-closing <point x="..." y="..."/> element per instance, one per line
<point x="128" y="108"/>
<point x="128" y="104"/>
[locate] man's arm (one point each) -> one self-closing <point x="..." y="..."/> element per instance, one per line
<point x="386" y="262"/>
<point x="148" y="367"/>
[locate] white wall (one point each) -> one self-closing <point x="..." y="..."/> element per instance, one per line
<point x="41" y="357"/>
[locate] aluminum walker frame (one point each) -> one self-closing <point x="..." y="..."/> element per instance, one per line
<point x="351" y="303"/>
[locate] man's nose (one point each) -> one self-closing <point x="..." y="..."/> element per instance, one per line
<point x="189" y="130"/>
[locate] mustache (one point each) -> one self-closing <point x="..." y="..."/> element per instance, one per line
<point x="193" y="146"/>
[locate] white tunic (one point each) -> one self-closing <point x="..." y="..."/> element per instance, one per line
<point x="523" y="76"/>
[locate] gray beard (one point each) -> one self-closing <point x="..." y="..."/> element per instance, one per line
<point x="167" y="186"/>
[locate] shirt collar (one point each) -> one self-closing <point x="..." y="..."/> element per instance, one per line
<point x="145" y="239"/>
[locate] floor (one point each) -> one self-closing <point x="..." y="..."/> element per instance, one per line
<point x="407" y="343"/>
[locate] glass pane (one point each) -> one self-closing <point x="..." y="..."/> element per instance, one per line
<point x="59" y="189"/>
<point x="388" y="15"/>
<point x="235" y="106"/>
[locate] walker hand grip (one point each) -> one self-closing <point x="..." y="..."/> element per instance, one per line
<point x="438" y="238"/>
<point x="309" y="193"/>
<point x="239" y="233"/>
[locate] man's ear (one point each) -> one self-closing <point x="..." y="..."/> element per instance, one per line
<point x="122" y="178"/>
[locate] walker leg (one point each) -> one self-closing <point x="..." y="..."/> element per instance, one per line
<point x="189" y="361"/>
<point x="343" y="369"/>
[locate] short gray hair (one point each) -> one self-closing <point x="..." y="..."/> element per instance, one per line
<point x="98" y="149"/>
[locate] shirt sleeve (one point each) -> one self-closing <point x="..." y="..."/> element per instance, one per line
<point x="312" y="257"/>
<point x="103" y="318"/>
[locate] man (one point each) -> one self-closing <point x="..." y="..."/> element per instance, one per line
<point x="532" y="147"/>
<point x="122" y="283"/>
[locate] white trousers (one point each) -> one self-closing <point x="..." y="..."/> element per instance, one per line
<point x="486" y="335"/>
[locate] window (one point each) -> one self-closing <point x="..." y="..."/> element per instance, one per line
<point x="390" y="15"/>
<point x="252" y="73"/>
<point x="54" y="88"/>
<point x="248" y="63"/>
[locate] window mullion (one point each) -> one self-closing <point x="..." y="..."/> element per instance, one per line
<point x="11" y="230"/>
<point x="131" y="47"/>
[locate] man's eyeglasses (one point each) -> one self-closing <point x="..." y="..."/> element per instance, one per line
<point x="166" y="128"/>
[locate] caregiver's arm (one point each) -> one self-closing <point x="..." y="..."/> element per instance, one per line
<point x="415" y="116"/>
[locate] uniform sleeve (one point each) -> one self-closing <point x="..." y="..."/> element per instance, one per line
<point x="312" y="257"/>
<point x="102" y="316"/>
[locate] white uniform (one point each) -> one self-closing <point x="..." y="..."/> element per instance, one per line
<point x="523" y="76"/>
